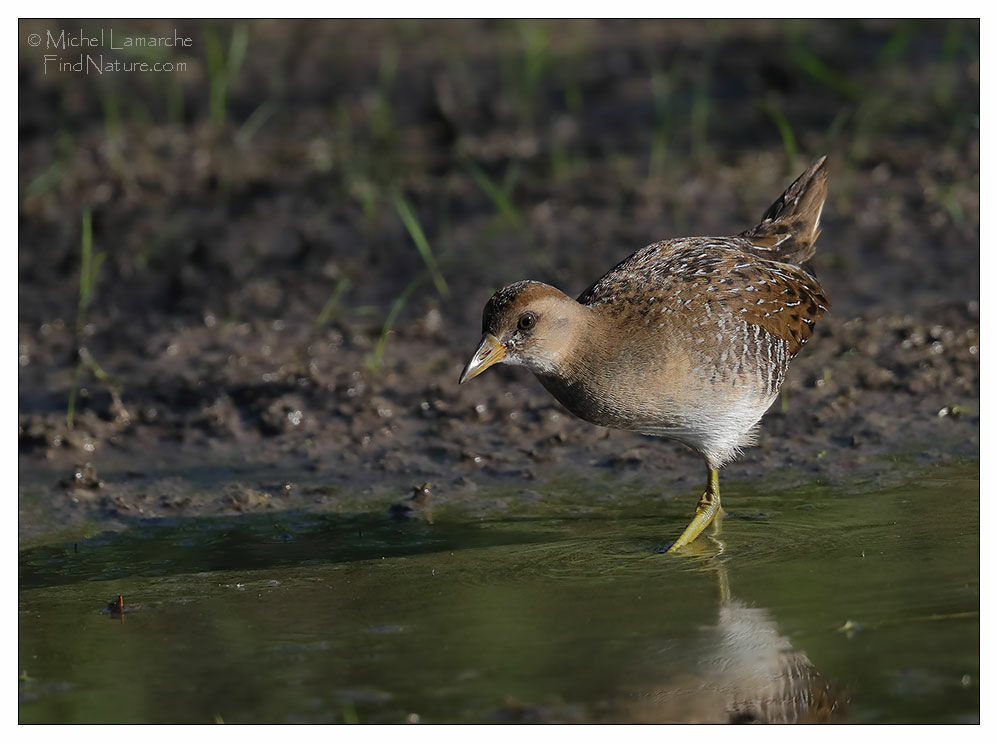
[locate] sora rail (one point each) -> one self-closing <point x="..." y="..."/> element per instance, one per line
<point x="688" y="338"/>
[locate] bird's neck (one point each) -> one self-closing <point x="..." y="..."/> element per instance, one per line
<point x="577" y="358"/>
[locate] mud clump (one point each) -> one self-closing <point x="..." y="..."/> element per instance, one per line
<point x="418" y="506"/>
<point x="84" y="478"/>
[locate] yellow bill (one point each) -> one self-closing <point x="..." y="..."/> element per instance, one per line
<point x="489" y="352"/>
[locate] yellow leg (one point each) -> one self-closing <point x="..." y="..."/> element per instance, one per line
<point x="708" y="508"/>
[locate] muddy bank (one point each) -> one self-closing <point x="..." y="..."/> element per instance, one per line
<point x="255" y="256"/>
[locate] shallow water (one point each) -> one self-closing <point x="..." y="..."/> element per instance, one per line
<point x="856" y="604"/>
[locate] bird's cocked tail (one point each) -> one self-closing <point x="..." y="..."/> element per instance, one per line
<point x="788" y="230"/>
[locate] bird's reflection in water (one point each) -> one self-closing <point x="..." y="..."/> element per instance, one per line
<point x="746" y="672"/>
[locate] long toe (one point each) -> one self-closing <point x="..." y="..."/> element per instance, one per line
<point x="708" y="508"/>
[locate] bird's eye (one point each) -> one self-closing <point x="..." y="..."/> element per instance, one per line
<point x="526" y="321"/>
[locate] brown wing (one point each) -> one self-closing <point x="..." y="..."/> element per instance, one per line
<point x="780" y="298"/>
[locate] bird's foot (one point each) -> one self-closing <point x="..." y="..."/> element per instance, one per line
<point x="708" y="508"/>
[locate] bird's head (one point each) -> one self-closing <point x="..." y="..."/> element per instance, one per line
<point x="527" y="323"/>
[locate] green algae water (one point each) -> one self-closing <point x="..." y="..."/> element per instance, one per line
<point x="856" y="604"/>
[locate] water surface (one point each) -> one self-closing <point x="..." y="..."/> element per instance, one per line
<point x="856" y="604"/>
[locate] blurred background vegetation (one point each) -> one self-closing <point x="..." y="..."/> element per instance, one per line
<point x="347" y="179"/>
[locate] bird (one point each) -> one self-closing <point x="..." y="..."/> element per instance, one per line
<point x="740" y="669"/>
<point x="687" y="338"/>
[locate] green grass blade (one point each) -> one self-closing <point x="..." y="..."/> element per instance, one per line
<point x="408" y="218"/>
<point x="825" y="75"/>
<point x="375" y="359"/>
<point x="216" y="77"/>
<point x="497" y="194"/>
<point x="326" y="313"/>
<point x="86" y="258"/>
<point x="46" y="180"/>
<point x="254" y="121"/>
<point x="238" y="43"/>
<point x="786" y="133"/>
<point x="73" y="388"/>
<point x="700" y="115"/>
<point x="89" y="264"/>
